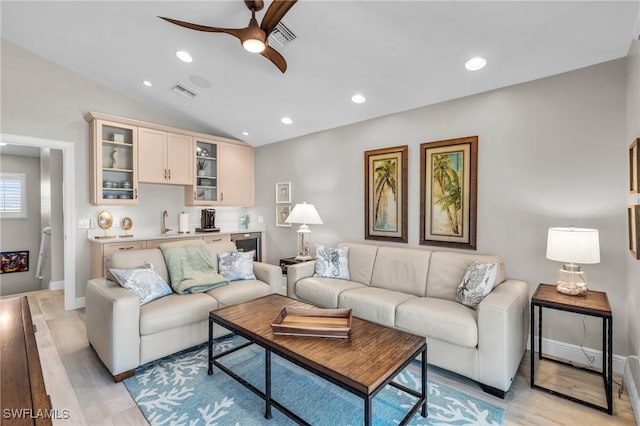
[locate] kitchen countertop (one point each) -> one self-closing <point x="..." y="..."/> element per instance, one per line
<point x="172" y="235"/>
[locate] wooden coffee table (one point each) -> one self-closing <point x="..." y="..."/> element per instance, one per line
<point x="363" y="364"/>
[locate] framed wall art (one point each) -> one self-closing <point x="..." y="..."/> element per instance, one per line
<point x="14" y="261"/>
<point x="634" y="155"/>
<point x="448" y="193"/>
<point x="282" y="212"/>
<point x="385" y="194"/>
<point x="283" y="192"/>
<point x="633" y="218"/>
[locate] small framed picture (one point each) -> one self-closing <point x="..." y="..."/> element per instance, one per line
<point x="283" y="192"/>
<point x="633" y="218"/>
<point x="282" y="212"/>
<point x="634" y="156"/>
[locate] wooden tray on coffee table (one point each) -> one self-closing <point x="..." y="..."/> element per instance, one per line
<point x="313" y="322"/>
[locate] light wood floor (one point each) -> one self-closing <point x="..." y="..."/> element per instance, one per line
<point x="77" y="381"/>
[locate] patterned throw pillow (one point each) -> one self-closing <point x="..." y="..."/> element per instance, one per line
<point x="236" y="265"/>
<point x="478" y="281"/>
<point x="143" y="281"/>
<point x="332" y="262"/>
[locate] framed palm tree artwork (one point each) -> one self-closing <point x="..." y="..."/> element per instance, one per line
<point x="448" y="193"/>
<point x="385" y="194"/>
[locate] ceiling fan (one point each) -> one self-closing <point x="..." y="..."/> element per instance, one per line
<point x="254" y="36"/>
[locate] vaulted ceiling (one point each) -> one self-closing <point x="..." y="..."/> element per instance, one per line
<point x="399" y="54"/>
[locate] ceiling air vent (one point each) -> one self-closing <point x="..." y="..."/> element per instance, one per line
<point x="183" y="90"/>
<point x="281" y="35"/>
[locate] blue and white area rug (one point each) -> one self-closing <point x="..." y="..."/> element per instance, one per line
<point x="177" y="391"/>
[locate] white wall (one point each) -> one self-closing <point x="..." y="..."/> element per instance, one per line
<point x="22" y="234"/>
<point x="549" y="155"/>
<point x="42" y="99"/>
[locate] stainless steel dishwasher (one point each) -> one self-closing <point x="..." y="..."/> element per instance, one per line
<point x="249" y="241"/>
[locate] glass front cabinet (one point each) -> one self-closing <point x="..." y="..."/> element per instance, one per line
<point x="114" y="159"/>
<point x="205" y="190"/>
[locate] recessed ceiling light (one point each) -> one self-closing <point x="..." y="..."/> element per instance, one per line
<point x="184" y="56"/>
<point x="245" y="133"/>
<point x="286" y="120"/>
<point x="358" y="99"/>
<point x="475" y="64"/>
<point x="147" y="83"/>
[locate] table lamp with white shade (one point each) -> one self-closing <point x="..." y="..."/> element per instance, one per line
<point x="305" y="214"/>
<point x="572" y="246"/>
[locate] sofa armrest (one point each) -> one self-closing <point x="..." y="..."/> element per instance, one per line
<point x="296" y="272"/>
<point x="113" y="324"/>
<point x="270" y="274"/>
<point x="503" y="323"/>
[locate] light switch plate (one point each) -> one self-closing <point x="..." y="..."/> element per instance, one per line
<point x="84" y="223"/>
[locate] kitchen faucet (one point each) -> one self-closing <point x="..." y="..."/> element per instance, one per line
<point x="164" y="228"/>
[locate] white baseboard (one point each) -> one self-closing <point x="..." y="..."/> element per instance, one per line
<point x="632" y="384"/>
<point x="573" y="353"/>
<point x="80" y="302"/>
<point x="56" y="285"/>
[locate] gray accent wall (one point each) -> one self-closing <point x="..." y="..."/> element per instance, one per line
<point x="22" y="234"/>
<point x="552" y="152"/>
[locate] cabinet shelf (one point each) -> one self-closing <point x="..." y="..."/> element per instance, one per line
<point x="118" y="189"/>
<point x="111" y="169"/>
<point x="200" y="157"/>
<point x="205" y="186"/>
<point x="122" y="144"/>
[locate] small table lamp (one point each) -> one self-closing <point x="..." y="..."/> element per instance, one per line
<point x="305" y="214"/>
<point x="570" y="246"/>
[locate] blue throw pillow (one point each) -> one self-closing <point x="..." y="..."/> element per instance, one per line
<point x="143" y="281"/>
<point x="236" y="265"/>
<point x="476" y="284"/>
<point x="332" y="262"/>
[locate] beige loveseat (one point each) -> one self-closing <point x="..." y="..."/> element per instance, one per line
<point x="126" y="335"/>
<point x="415" y="290"/>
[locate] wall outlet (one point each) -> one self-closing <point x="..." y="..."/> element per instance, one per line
<point x="116" y="222"/>
<point x="84" y="223"/>
<point x="260" y="219"/>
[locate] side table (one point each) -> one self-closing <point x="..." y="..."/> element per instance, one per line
<point x="595" y="304"/>
<point x="287" y="261"/>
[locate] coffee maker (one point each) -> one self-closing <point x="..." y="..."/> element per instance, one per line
<point x="208" y="221"/>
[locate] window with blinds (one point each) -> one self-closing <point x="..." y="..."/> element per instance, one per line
<point x="13" y="195"/>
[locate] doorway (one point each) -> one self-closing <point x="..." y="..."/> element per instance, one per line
<point x="68" y="207"/>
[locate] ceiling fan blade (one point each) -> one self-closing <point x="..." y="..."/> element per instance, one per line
<point x="236" y="32"/>
<point x="274" y="14"/>
<point x="277" y="59"/>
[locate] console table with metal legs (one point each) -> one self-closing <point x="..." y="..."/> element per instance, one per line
<point x="595" y="304"/>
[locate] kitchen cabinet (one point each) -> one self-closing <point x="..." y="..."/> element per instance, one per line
<point x="164" y="157"/>
<point x="100" y="250"/>
<point x="204" y="188"/>
<point x="235" y="175"/>
<point x="113" y="163"/>
<point x="225" y="175"/>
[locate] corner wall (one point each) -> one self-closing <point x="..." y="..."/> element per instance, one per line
<point x="548" y="156"/>
<point x="633" y="132"/>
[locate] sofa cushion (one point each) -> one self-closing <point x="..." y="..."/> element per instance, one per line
<point x="217" y="247"/>
<point x="144" y="282"/>
<point x="174" y="311"/>
<point x="235" y="265"/>
<point x="239" y="291"/>
<point x="447" y="269"/>
<point x="441" y="319"/>
<point x="402" y="269"/>
<point x="361" y="259"/>
<point x="373" y="304"/>
<point x="476" y="283"/>
<point x="323" y="292"/>
<point x="134" y="258"/>
<point x="332" y="262"/>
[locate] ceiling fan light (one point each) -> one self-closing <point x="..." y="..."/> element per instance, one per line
<point x="253" y="45"/>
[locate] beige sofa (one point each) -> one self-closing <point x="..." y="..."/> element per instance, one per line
<point x="126" y="335"/>
<point x="415" y="290"/>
